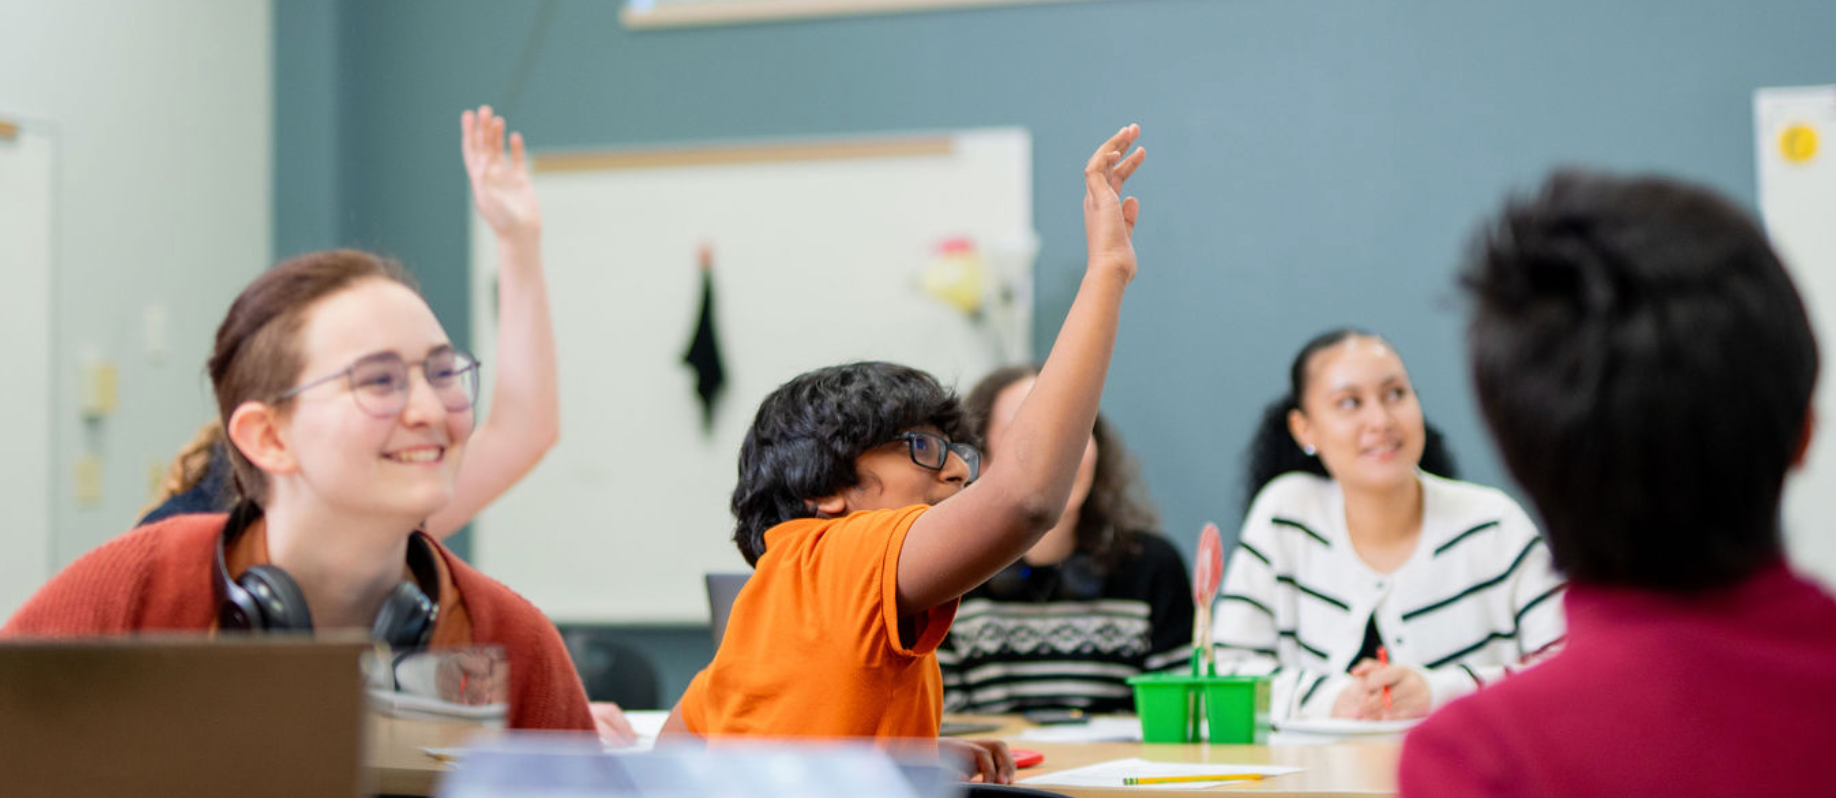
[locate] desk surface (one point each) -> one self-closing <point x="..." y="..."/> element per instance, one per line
<point x="1340" y="770"/>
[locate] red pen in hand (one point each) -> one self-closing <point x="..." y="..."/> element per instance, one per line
<point x="1383" y="657"/>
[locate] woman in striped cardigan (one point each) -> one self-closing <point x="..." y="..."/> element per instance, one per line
<point x="1366" y="584"/>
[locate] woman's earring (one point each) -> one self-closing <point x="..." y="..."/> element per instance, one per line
<point x="1309" y="450"/>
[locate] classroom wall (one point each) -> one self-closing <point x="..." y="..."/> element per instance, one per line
<point x="1312" y="163"/>
<point x="161" y="113"/>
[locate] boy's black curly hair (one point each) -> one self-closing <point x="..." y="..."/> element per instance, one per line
<point x="804" y="441"/>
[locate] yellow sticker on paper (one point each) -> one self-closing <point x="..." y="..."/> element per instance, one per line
<point x="1799" y="143"/>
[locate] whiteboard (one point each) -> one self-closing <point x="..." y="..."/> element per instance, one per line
<point x="1795" y="134"/>
<point x="818" y="251"/>
<point x="26" y="196"/>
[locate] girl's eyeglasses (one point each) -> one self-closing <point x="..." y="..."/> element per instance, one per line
<point x="379" y="382"/>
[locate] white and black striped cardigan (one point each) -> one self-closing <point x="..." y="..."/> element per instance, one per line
<point x="1477" y="598"/>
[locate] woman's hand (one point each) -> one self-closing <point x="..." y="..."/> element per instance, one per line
<point x="1109" y="220"/>
<point x="1409" y="694"/>
<point x="986" y="760"/>
<point x="501" y="187"/>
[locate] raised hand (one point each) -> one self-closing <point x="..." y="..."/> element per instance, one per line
<point x="1109" y="220"/>
<point x="500" y="182"/>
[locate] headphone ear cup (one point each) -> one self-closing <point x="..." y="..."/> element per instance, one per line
<point x="278" y="600"/>
<point x="406" y="620"/>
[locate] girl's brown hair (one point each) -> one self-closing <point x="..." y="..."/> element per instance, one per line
<point x="257" y="356"/>
<point x="1117" y="510"/>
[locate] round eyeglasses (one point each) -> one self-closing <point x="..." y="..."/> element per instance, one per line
<point x="379" y="382"/>
<point x="932" y="451"/>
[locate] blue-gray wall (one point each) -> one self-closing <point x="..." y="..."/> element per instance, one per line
<point x="1312" y="163"/>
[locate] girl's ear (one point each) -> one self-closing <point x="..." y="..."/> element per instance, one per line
<point x="1301" y="430"/>
<point x="255" y="430"/>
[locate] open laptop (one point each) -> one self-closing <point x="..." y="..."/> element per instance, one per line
<point x="182" y="716"/>
<point x="722" y="589"/>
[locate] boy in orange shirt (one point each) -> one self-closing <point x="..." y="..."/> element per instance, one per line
<point x="858" y="560"/>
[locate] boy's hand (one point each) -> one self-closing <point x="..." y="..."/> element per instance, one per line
<point x="1109" y="220"/>
<point x="987" y="760"/>
<point x="500" y="185"/>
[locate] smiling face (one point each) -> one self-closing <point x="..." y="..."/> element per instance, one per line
<point x="1359" y="411"/>
<point x="343" y="456"/>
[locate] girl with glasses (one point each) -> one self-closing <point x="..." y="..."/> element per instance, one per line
<point x="525" y="417"/>
<point x="348" y="413"/>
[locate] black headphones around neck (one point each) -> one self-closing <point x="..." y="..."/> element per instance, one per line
<point x="265" y="599"/>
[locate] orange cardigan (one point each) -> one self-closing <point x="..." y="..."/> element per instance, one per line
<point x="159" y="577"/>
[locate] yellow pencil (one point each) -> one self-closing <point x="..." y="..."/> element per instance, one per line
<point x="1134" y="780"/>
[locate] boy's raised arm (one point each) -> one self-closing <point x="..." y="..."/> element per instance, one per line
<point x="962" y="542"/>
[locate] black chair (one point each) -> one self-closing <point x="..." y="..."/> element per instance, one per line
<point x="613" y="670"/>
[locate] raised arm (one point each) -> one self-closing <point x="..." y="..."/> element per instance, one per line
<point x="962" y="542"/>
<point x="525" y="418"/>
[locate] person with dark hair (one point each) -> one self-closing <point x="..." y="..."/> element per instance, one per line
<point x="859" y="507"/>
<point x="1646" y="368"/>
<point x="348" y="411"/>
<point x="1369" y="587"/>
<point x="1101" y="597"/>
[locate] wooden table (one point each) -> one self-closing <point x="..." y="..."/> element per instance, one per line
<point x="399" y="763"/>
<point x="399" y="766"/>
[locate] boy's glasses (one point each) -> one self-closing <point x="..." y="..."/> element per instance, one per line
<point x="379" y="382"/>
<point x="932" y="451"/>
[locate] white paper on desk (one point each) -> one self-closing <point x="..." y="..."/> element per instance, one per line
<point x="1347" y="727"/>
<point x="1104" y="729"/>
<point x="1111" y="773"/>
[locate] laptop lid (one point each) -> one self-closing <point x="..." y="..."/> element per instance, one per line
<point x="722" y="589"/>
<point x="182" y="716"/>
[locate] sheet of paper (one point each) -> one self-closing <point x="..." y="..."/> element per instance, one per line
<point x="1112" y="773"/>
<point x="648" y="723"/>
<point x="1101" y="729"/>
<point x="1347" y="727"/>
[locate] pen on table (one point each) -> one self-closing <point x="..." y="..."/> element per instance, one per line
<point x="1383" y="657"/>
<point x="1135" y="780"/>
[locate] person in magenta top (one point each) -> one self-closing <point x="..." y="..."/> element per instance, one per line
<point x="1646" y="368"/>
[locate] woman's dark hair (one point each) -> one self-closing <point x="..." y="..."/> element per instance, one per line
<point x="803" y="443"/>
<point x="1116" y="511"/>
<point x="1645" y="365"/>
<point x="1272" y="450"/>
<point x="257" y="357"/>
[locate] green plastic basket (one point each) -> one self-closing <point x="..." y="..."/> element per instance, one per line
<point x="1237" y="707"/>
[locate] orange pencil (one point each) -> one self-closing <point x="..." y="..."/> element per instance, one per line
<point x="1383" y="656"/>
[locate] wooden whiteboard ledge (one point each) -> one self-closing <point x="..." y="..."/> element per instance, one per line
<point x="666" y="14"/>
<point x="736" y="154"/>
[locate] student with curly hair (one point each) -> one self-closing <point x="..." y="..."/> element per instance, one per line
<point x="859" y="508"/>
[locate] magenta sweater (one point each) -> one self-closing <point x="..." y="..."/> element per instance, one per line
<point x="1725" y="693"/>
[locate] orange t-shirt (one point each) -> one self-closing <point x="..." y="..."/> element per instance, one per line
<point x="812" y="647"/>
